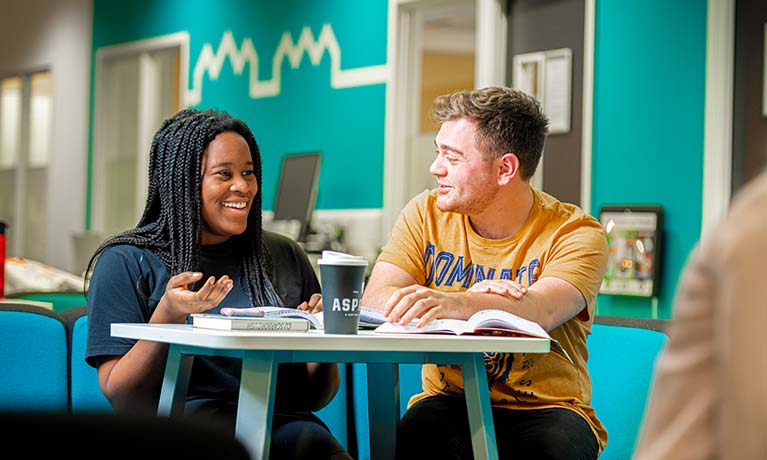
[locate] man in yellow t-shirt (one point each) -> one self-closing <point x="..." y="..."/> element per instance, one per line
<point x="486" y="239"/>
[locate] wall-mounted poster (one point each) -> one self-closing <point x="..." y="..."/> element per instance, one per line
<point x="547" y="76"/>
<point x="633" y="238"/>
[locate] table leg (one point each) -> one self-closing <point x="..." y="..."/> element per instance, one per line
<point x="256" y="402"/>
<point x="383" y="407"/>
<point x="178" y="368"/>
<point x="478" y="405"/>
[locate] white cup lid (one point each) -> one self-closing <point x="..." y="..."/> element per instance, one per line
<point x="341" y="258"/>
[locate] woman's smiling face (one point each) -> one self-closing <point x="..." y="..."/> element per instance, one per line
<point x="228" y="187"/>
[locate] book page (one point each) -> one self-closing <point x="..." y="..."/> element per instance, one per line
<point x="499" y="319"/>
<point x="315" y="319"/>
<point x="438" y="326"/>
<point x="274" y="312"/>
<point x="488" y="320"/>
<point x="371" y="317"/>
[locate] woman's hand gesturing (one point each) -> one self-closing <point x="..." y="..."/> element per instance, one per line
<point x="178" y="300"/>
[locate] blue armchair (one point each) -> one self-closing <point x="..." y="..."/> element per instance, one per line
<point x="622" y="354"/>
<point x="33" y="357"/>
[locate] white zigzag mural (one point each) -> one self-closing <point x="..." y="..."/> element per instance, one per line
<point x="339" y="78"/>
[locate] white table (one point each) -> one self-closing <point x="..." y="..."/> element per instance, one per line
<point x="261" y="352"/>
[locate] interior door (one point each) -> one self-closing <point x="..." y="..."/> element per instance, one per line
<point x="137" y="88"/>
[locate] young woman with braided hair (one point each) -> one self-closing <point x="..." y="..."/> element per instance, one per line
<point x="199" y="244"/>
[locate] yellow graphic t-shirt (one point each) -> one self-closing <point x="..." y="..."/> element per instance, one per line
<point x="442" y="251"/>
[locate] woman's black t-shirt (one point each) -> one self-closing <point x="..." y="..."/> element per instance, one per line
<point x="128" y="282"/>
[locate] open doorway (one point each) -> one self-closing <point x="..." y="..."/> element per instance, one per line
<point x="26" y="108"/>
<point x="438" y="46"/>
<point x="138" y="85"/>
<point x="446" y="64"/>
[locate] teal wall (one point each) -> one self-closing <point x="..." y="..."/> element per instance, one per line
<point x="649" y="95"/>
<point x="346" y="125"/>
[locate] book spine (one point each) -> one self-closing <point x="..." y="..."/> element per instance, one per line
<point x="290" y="312"/>
<point x="273" y="326"/>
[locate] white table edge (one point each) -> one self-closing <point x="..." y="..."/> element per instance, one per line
<point x="365" y="340"/>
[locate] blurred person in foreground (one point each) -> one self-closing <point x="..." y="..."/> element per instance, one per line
<point x="200" y="245"/>
<point x="709" y="395"/>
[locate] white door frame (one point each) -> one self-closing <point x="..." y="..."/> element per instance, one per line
<point x="589" y="18"/>
<point x="147" y="94"/>
<point x="717" y="131"/>
<point x="404" y="82"/>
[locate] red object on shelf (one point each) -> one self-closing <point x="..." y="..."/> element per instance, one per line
<point x="2" y="260"/>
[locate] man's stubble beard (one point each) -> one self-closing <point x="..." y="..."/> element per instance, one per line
<point x="470" y="206"/>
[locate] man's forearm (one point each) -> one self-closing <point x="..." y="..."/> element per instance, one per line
<point x="378" y="296"/>
<point x="528" y="306"/>
<point x="549" y="302"/>
<point x="385" y="280"/>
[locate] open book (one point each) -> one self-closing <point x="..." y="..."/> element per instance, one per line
<point x="483" y="322"/>
<point x="369" y="317"/>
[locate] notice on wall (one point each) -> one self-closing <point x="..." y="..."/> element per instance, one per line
<point x="557" y="84"/>
<point x="633" y="239"/>
<point x="547" y="76"/>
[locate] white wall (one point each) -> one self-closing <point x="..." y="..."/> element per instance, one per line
<point x="56" y="34"/>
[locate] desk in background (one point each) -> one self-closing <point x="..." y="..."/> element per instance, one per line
<point x="60" y="301"/>
<point x="262" y="352"/>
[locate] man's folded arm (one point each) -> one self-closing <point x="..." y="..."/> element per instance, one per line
<point x="384" y="280"/>
<point x="549" y="302"/>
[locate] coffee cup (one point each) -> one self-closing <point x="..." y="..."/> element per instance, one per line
<point x="342" y="277"/>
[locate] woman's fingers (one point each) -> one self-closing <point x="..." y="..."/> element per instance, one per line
<point x="183" y="279"/>
<point x="181" y="300"/>
<point x="218" y="291"/>
<point x="206" y="288"/>
<point x="315" y="303"/>
<point x="210" y="294"/>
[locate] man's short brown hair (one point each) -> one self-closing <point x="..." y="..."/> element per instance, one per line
<point x="507" y="120"/>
